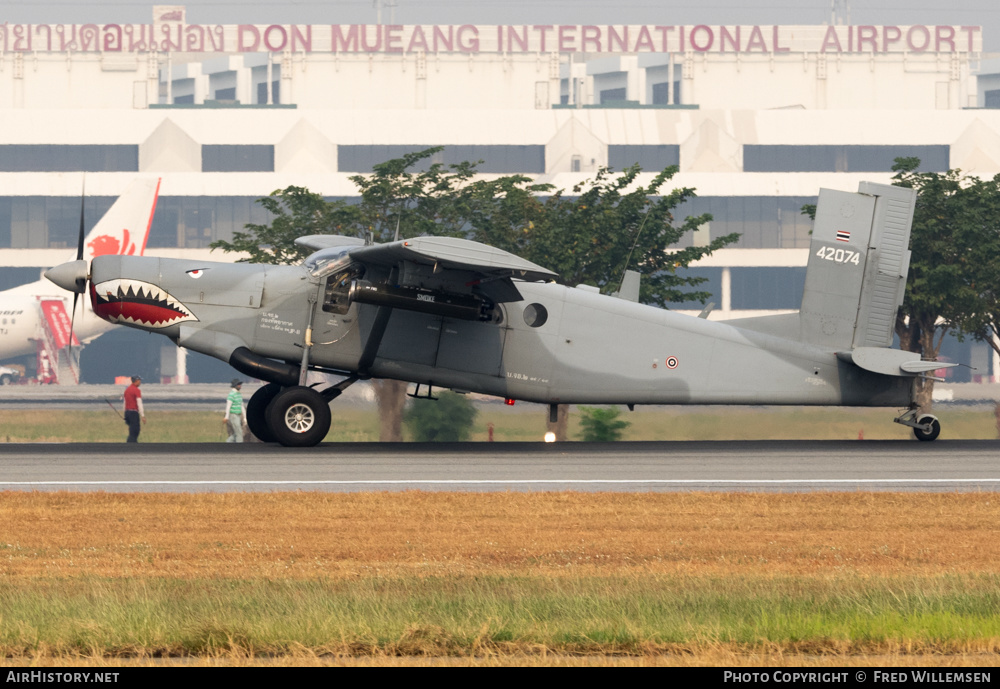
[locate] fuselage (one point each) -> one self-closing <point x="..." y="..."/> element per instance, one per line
<point x="557" y="345"/>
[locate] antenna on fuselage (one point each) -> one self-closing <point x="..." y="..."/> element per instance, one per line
<point x="395" y="237"/>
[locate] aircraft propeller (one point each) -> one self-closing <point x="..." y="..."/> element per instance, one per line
<point x="73" y="275"/>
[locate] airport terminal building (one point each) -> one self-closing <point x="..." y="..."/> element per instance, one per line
<point x="757" y="118"/>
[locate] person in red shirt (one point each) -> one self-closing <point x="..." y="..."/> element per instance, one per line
<point x="133" y="409"/>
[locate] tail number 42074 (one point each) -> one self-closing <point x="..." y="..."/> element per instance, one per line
<point x="828" y="253"/>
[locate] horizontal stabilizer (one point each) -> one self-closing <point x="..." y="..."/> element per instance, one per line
<point x="891" y="362"/>
<point x="925" y="366"/>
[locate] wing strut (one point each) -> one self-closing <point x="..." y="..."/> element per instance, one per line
<point x="376" y="334"/>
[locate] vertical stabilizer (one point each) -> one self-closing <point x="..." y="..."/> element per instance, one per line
<point x="858" y="261"/>
<point x="124" y="229"/>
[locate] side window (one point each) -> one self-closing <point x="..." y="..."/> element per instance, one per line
<point x="336" y="297"/>
<point x="535" y="315"/>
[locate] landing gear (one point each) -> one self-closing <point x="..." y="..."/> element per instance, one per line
<point x="929" y="429"/>
<point x="298" y="417"/>
<point x="257" y="412"/>
<point x="926" y="427"/>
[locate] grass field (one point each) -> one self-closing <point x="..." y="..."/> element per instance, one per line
<point x="501" y="578"/>
<point x="664" y="423"/>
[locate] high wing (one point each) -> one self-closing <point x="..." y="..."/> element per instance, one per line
<point x="443" y="264"/>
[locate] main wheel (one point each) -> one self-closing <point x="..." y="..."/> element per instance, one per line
<point x="299" y="417"/>
<point x="257" y="412"/>
<point x="930" y="428"/>
<point x="6" y="379"/>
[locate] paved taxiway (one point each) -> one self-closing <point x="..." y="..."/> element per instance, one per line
<point x="944" y="465"/>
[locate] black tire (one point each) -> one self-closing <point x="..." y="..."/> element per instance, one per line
<point x="934" y="431"/>
<point x="257" y="412"/>
<point x="299" y="417"/>
<point x="6" y="379"/>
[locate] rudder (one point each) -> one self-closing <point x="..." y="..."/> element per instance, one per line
<point x="858" y="262"/>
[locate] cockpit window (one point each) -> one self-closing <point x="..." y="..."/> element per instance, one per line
<point x="326" y="261"/>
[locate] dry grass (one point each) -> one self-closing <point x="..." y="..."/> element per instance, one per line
<point x="337" y="536"/>
<point x="500" y="579"/>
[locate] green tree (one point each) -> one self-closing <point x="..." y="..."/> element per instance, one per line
<point x="601" y="424"/>
<point x="610" y="225"/>
<point x="953" y="278"/>
<point x="297" y="212"/>
<point x="447" y="419"/>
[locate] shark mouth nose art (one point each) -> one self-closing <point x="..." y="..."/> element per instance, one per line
<point x="137" y="303"/>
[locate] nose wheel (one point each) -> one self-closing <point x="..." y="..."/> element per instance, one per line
<point x="926" y="427"/>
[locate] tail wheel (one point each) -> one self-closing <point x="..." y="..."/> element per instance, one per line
<point x="257" y="412"/>
<point x="299" y="417"/>
<point x="929" y="428"/>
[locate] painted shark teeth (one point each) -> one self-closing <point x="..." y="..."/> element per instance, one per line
<point x="138" y="303"/>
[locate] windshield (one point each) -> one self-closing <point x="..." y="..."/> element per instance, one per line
<point x="325" y="261"/>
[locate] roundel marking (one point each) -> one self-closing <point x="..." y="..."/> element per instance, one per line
<point x="671" y="362"/>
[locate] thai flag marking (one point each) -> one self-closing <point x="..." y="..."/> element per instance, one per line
<point x="843" y="236"/>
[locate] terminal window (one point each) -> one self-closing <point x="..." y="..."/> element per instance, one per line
<point x="651" y="158"/>
<point x="275" y="93"/>
<point x="69" y="158"/>
<point x="228" y="94"/>
<point x="841" y="158"/>
<point x="613" y="96"/>
<point x="661" y="93"/>
<point x="763" y="222"/>
<point x="230" y="158"/>
<point x="500" y="159"/>
<point x="767" y="288"/>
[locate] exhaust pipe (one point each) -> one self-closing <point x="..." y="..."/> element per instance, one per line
<point x="257" y="366"/>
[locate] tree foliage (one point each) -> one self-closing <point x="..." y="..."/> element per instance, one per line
<point x="601" y="424"/>
<point x="955" y="245"/>
<point x="297" y="212"/>
<point x="611" y="224"/>
<point x="447" y="419"/>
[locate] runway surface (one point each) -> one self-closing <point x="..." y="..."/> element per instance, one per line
<point x="773" y="466"/>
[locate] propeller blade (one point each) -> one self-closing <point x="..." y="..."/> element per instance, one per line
<point x="80" y="285"/>
<point x="79" y="243"/>
<point x="72" y="322"/>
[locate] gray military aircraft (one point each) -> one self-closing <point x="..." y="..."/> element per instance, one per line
<point x="452" y="313"/>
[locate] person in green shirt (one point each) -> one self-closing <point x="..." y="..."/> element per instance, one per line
<point x="235" y="413"/>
